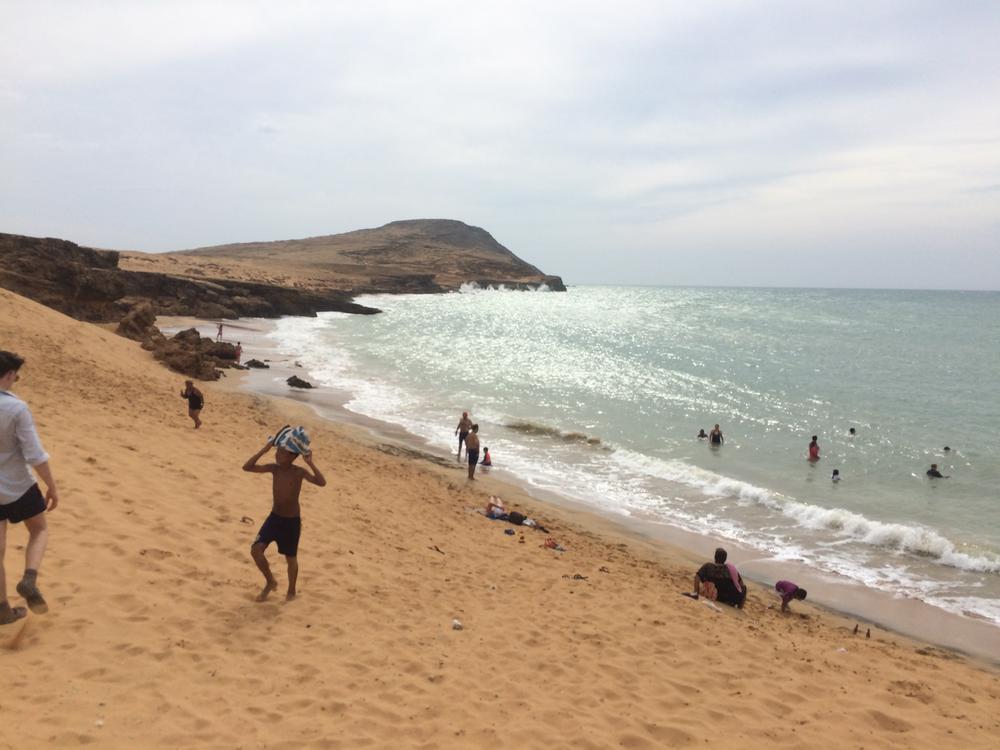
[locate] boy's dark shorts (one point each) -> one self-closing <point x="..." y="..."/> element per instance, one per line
<point x="473" y="456"/>
<point x="283" y="530"/>
<point x="29" y="505"/>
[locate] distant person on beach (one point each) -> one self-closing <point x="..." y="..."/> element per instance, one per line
<point x="218" y="334"/>
<point x="933" y="473"/>
<point x="789" y="591"/>
<point x="720" y="581"/>
<point x="814" y="449"/>
<point x="715" y="436"/>
<point x="497" y="511"/>
<point x="239" y="352"/>
<point x="836" y="476"/>
<point x="196" y="402"/>
<point x="701" y="434"/>
<point x="472" y="450"/>
<point x="20" y="497"/>
<point x="487" y="461"/>
<point x="462" y="430"/>
<point x="284" y="524"/>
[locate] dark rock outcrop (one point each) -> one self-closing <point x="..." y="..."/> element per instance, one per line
<point x="87" y="284"/>
<point x="192" y="354"/>
<point x="296" y="382"/>
<point x="256" y="364"/>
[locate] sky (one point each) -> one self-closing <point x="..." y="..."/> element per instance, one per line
<point x="791" y="143"/>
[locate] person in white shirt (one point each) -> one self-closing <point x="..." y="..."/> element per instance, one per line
<point x="20" y="497"/>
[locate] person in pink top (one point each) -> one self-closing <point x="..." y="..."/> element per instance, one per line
<point x="814" y="450"/>
<point x="789" y="591"/>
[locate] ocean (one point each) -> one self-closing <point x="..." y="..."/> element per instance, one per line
<point x="598" y="394"/>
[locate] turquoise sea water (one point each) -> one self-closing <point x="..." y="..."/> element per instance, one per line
<point x="599" y="392"/>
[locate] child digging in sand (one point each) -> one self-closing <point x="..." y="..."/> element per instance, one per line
<point x="284" y="524"/>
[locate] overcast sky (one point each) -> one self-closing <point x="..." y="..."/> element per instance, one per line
<point x="712" y="143"/>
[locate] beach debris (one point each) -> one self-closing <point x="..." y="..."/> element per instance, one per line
<point x="551" y="543"/>
<point x="99" y="723"/>
<point x="257" y="364"/>
<point x="296" y="382"/>
<point x="435" y="548"/>
<point x="247" y="520"/>
<point x="456" y="624"/>
<point x="602" y="569"/>
<point x="841" y="650"/>
<point x="578" y="577"/>
<point x="509" y="532"/>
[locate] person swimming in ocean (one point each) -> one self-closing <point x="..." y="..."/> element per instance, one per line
<point x="702" y="435"/>
<point x="715" y="436"/>
<point x="814" y="449"/>
<point x="836" y="476"/>
<point x="852" y="432"/>
<point x="933" y="473"/>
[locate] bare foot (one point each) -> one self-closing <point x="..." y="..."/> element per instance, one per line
<point x="268" y="588"/>
<point x="289" y="596"/>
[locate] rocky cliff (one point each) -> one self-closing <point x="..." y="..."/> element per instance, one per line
<point x="89" y="285"/>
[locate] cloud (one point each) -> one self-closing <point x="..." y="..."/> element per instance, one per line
<point x="569" y="130"/>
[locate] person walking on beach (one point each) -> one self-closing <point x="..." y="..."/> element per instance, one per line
<point x="239" y="352"/>
<point x="814" y="450"/>
<point x="284" y="524"/>
<point x="218" y="334"/>
<point x="196" y="402"/>
<point x="715" y="436"/>
<point x="20" y="497"/>
<point x="472" y="450"/>
<point x="462" y="430"/>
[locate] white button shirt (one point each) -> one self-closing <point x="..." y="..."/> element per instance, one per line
<point x="19" y="448"/>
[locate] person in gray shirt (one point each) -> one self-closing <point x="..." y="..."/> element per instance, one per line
<point x="20" y="497"/>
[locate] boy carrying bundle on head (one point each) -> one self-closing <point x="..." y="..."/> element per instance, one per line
<point x="284" y="524"/>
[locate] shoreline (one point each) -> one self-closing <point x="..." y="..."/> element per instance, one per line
<point x="909" y="618"/>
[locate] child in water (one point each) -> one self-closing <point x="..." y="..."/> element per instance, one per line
<point x="836" y="476"/>
<point x="487" y="461"/>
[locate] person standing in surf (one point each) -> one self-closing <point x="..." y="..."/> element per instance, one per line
<point x="472" y="450"/>
<point x="715" y="436"/>
<point x="20" y="498"/>
<point x="814" y="450"/>
<point x="462" y="430"/>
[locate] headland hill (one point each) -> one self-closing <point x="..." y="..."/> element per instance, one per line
<point x="263" y="279"/>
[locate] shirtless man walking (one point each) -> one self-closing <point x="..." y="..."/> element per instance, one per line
<point x="20" y="498"/>
<point x="462" y="430"/>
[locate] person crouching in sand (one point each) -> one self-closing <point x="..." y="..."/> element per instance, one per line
<point x="472" y="450"/>
<point x="789" y="591"/>
<point x="284" y="524"/>
<point x="196" y="402"/>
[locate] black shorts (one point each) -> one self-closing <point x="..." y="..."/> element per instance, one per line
<point x="283" y="530"/>
<point x="473" y="455"/>
<point x="462" y="436"/>
<point x="29" y="505"/>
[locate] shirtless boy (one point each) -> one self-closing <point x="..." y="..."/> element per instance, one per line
<point x="464" y="425"/>
<point x="284" y="524"/>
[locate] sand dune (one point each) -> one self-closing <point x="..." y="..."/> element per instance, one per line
<point x="154" y="640"/>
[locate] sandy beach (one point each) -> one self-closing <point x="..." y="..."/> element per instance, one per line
<point x="154" y="638"/>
